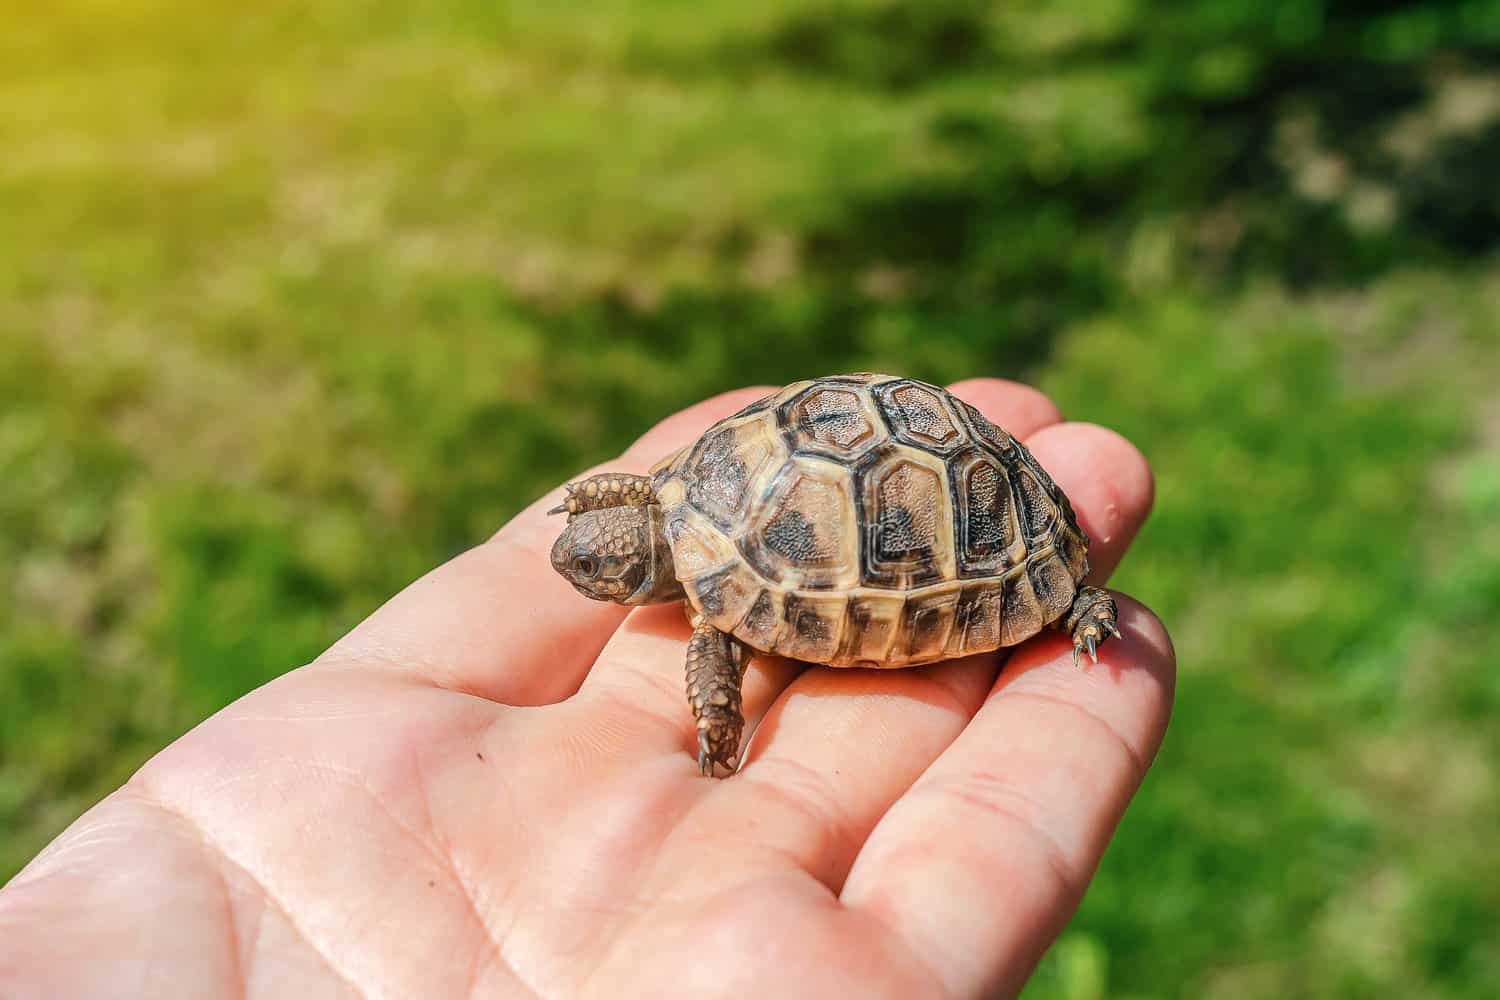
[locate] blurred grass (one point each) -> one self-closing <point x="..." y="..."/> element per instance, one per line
<point x="296" y="303"/>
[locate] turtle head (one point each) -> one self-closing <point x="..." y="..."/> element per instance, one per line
<point x="618" y="554"/>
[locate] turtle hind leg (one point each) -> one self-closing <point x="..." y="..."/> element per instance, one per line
<point x="606" y="489"/>
<point x="1090" y="621"/>
<point x="715" y="667"/>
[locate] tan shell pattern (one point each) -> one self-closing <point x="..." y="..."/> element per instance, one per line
<point x="869" y="520"/>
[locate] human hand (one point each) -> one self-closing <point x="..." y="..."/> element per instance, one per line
<point x="489" y="788"/>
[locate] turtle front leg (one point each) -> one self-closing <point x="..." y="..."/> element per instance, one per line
<point x="1090" y="620"/>
<point x="715" y="667"/>
<point x="606" y="489"/>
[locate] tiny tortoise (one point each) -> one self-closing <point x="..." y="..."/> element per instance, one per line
<point x="856" y="521"/>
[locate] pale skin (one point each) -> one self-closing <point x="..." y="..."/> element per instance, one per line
<point x="488" y="788"/>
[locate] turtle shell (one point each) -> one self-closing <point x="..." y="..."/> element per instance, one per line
<point x="869" y="520"/>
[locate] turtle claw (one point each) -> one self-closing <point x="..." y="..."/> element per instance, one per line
<point x="709" y="756"/>
<point x="1091" y="620"/>
<point x="705" y="754"/>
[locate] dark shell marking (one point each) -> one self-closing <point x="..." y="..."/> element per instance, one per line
<point x="870" y="520"/>
<point x="987" y="534"/>
<point x="901" y="504"/>
<point x="719" y="472"/>
<point x="832" y="421"/>
<point x="801" y="530"/>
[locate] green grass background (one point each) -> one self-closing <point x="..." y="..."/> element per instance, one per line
<point x="298" y="300"/>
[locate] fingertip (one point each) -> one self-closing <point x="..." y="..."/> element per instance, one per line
<point x="1131" y="687"/>
<point x="1108" y="481"/>
<point x="1147" y="628"/>
<point x="1132" y="470"/>
<point x="1145" y="640"/>
<point x="1017" y="407"/>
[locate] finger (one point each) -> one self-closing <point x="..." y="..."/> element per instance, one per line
<point x="979" y="866"/>
<point x="650" y="671"/>
<point x="1018" y="408"/>
<point x="497" y="621"/>
<point x="1108" y="482"/>
<point x="843" y="745"/>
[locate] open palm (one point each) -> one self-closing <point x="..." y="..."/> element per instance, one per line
<point x="489" y="788"/>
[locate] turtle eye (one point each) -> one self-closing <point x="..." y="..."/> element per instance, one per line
<point x="585" y="566"/>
